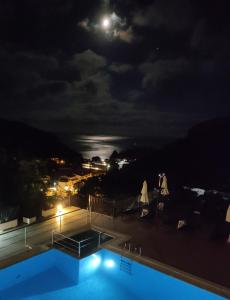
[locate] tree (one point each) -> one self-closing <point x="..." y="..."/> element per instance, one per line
<point x="114" y="155"/>
<point x="96" y="159"/>
<point x="8" y="178"/>
<point x="31" y="187"/>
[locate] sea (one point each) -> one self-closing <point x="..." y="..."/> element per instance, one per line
<point x="104" y="145"/>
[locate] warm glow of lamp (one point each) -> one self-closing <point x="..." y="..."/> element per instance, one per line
<point x="59" y="209"/>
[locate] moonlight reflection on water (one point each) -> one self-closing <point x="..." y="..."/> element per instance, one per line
<point x="102" y="146"/>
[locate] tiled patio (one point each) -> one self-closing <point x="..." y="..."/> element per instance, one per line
<point x="192" y="252"/>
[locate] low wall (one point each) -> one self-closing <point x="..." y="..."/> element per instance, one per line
<point x="49" y="212"/>
<point x="7" y="225"/>
<point x="29" y="220"/>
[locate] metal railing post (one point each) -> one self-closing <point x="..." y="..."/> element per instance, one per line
<point x="60" y="222"/>
<point x="99" y="239"/>
<point x="25" y="236"/>
<point x="140" y="251"/>
<point x="114" y="207"/>
<point x="90" y="215"/>
<point x="90" y="210"/>
<point x="79" y="249"/>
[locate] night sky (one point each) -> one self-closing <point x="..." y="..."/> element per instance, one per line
<point x="156" y="68"/>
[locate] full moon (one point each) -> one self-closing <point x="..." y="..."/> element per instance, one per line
<point x="106" y="23"/>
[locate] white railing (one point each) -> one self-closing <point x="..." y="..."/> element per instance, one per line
<point x="26" y="237"/>
<point x="74" y="245"/>
<point x="19" y="240"/>
<point x="58" y="237"/>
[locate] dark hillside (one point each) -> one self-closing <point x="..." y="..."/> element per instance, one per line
<point x="24" y="141"/>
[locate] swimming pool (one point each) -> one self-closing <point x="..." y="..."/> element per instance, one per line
<point x="103" y="275"/>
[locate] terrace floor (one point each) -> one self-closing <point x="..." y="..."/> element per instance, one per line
<point x="193" y="252"/>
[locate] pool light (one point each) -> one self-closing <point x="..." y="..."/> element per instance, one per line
<point x="109" y="263"/>
<point x="96" y="261"/>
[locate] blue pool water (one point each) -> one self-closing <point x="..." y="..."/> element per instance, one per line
<point x="103" y="275"/>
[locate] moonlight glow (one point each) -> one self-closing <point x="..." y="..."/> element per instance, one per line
<point x="105" y="23"/>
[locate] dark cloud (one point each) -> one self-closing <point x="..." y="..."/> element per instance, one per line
<point x="84" y="24"/>
<point x="198" y="33"/>
<point x="88" y="63"/>
<point x="174" y="15"/>
<point x="154" y="74"/>
<point x="120" y="68"/>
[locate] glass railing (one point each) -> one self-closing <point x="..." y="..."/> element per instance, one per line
<point x="80" y="248"/>
<point x="25" y="237"/>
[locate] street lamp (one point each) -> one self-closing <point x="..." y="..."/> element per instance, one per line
<point x="59" y="214"/>
<point x="90" y="208"/>
<point x="69" y="198"/>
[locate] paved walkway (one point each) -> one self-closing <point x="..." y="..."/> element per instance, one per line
<point x="19" y="240"/>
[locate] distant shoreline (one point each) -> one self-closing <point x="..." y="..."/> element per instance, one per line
<point x="104" y="145"/>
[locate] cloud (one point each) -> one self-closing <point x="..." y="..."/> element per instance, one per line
<point x="174" y="15"/>
<point x="86" y="103"/>
<point x="117" y="29"/>
<point x="94" y="89"/>
<point x="88" y="63"/>
<point x="87" y="99"/>
<point x="210" y="43"/>
<point x="198" y="33"/>
<point x="155" y="73"/>
<point x="84" y="24"/>
<point x="51" y="87"/>
<point x="125" y="35"/>
<point x="135" y="95"/>
<point x="23" y="71"/>
<point x="120" y="68"/>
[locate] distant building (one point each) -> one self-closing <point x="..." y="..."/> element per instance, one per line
<point x="58" y="160"/>
<point x="95" y="166"/>
<point x="122" y="162"/>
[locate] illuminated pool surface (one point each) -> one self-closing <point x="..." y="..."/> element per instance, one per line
<point x="104" y="275"/>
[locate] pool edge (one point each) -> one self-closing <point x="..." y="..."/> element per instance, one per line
<point x="172" y="271"/>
